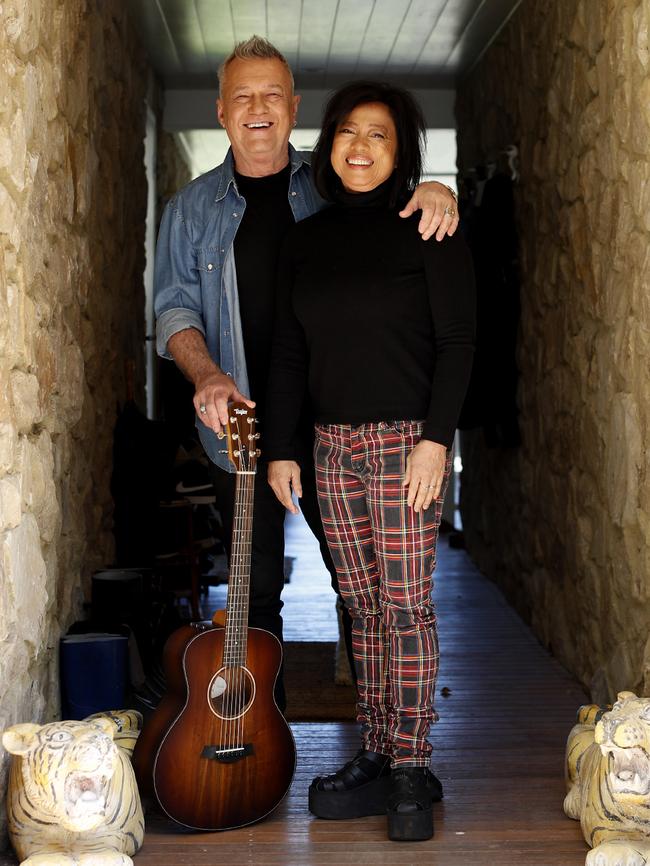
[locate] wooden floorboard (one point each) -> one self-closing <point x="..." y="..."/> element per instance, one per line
<point x="498" y="747"/>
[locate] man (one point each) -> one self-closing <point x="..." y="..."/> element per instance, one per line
<point x="215" y="290"/>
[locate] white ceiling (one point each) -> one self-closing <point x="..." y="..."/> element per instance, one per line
<point x="416" y="43"/>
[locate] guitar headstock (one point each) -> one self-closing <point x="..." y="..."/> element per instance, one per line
<point x="242" y="437"/>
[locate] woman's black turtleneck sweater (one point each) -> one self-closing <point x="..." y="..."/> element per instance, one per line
<point x="373" y="322"/>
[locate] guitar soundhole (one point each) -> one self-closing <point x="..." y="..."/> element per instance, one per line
<point x="231" y="692"/>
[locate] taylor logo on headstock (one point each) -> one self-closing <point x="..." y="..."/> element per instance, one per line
<point x="242" y="437"/>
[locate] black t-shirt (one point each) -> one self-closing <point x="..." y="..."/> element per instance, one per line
<point x="267" y="219"/>
<point x="377" y="322"/>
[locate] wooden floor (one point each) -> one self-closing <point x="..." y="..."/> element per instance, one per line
<point x="498" y="747"/>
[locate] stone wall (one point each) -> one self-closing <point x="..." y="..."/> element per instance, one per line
<point x="172" y="169"/>
<point x="563" y="523"/>
<point x="72" y="198"/>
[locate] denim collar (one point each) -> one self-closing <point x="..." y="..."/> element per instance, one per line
<point x="228" y="170"/>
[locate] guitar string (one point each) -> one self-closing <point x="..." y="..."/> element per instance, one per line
<point x="241" y="611"/>
<point x="247" y="553"/>
<point x="231" y="615"/>
<point x="237" y="622"/>
<point x="236" y="671"/>
<point x="244" y="602"/>
<point x="234" y="680"/>
<point x="246" y="599"/>
<point x="236" y="698"/>
<point x="226" y="701"/>
<point x="234" y="703"/>
<point x="238" y="685"/>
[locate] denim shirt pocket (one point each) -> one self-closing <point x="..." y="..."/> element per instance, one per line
<point x="209" y="269"/>
<point x="208" y="263"/>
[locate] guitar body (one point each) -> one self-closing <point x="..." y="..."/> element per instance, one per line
<point x="228" y="757"/>
<point x="171" y="704"/>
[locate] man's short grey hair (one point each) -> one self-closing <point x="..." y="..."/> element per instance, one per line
<point x="255" y="48"/>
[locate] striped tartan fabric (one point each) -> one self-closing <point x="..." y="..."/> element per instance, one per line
<point x="384" y="553"/>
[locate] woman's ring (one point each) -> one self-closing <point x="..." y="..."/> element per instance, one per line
<point x="202" y="409"/>
<point x="450" y="211"/>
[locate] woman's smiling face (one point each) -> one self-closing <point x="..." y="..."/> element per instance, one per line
<point x="364" y="149"/>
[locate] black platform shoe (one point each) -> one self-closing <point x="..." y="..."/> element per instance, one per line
<point x="359" y="788"/>
<point x="409" y="806"/>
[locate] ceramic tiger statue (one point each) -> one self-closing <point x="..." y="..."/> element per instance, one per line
<point x="72" y="795"/>
<point x="608" y="781"/>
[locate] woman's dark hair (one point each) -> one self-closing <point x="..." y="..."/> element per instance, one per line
<point x="409" y="123"/>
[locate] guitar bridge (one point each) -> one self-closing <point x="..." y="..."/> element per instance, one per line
<point x="227" y="754"/>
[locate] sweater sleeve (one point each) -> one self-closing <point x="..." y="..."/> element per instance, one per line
<point x="452" y="297"/>
<point x="289" y="366"/>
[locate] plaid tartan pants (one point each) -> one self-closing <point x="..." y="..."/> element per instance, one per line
<point x="384" y="553"/>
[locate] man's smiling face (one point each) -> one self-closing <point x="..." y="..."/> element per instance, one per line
<point x="257" y="108"/>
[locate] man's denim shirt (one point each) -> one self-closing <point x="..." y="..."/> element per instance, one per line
<point x="195" y="284"/>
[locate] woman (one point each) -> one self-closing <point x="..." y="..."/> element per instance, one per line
<point x="377" y="326"/>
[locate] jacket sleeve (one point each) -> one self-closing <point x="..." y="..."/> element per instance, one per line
<point x="289" y="367"/>
<point x="452" y="298"/>
<point x="177" y="289"/>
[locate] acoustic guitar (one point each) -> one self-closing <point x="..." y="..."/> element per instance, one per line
<point x="218" y="753"/>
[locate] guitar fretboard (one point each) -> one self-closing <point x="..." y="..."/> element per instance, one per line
<point x="234" y="651"/>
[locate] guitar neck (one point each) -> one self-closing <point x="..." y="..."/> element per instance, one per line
<point x="235" y="639"/>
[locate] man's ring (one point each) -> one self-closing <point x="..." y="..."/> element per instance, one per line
<point x="202" y="409"/>
<point x="450" y="211"/>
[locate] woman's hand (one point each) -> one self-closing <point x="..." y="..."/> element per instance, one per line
<point x="439" y="210"/>
<point x="425" y="469"/>
<point x="284" y="476"/>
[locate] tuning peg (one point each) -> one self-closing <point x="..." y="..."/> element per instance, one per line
<point x="236" y="453"/>
<point x="235" y="435"/>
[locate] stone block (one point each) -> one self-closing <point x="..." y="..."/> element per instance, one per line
<point x="25" y="400"/>
<point x="8" y="211"/>
<point x="10" y="504"/>
<point x="640" y="119"/>
<point x="641" y="26"/>
<point x="22" y="26"/>
<point x="8" y="444"/>
<point x="599" y="687"/>
<point x="624" y="459"/>
<point x="25" y="573"/>
<point x="48" y="82"/>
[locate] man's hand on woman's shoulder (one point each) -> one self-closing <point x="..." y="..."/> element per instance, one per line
<point x="439" y="209"/>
